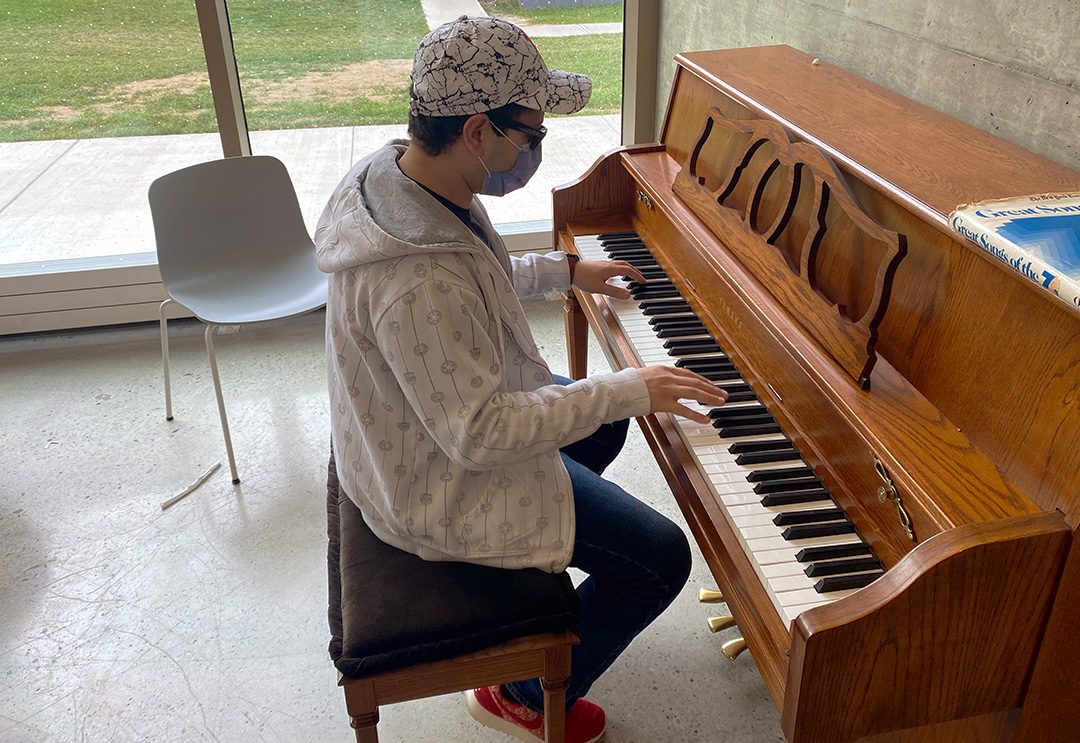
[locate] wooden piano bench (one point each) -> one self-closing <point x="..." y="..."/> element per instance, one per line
<point x="403" y="628"/>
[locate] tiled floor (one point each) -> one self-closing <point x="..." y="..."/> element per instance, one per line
<point x="120" y="622"/>
<point x="87" y="198"/>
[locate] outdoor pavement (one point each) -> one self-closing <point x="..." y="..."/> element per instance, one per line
<point x="438" y="12"/>
<point x="87" y="197"/>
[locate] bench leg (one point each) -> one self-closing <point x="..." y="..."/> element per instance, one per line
<point x="363" y="710"/>
<point x="555" y="680"/>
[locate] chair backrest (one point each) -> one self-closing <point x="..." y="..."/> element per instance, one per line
<point x="226" y="218"/>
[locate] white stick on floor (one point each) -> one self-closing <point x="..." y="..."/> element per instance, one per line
<point x="191" y="488"/>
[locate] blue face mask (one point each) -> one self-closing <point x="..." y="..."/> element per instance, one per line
<point x="500" y="184"/>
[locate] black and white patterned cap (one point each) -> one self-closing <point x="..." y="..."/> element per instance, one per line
<point x="474" y="65"/>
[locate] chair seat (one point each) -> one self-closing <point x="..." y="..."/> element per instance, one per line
<point x="284" y="289"/>
<point x="390" y="609"/>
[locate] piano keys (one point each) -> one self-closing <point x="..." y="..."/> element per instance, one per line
<point x="765" y="489"/>
<point x="887" y="499"/>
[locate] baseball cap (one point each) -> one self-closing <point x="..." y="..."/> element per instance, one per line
<point x="477" y="64"/>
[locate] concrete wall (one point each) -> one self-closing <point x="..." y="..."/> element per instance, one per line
<point x="1006" y="66"/>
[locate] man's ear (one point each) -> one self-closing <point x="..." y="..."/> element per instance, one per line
<point x="473" y="132"/>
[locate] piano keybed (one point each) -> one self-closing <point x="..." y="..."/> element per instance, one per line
<point x="804" y="549"/>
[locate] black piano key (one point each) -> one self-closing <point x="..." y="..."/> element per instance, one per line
<point x="678" y="302"/>
<point x="624" y="246"/>
<point x="832" y="552"/>
<point x="682" y="332"/>
<point x="719" y="362"/>
<point x="617" y="250"/>
<point x="722" y="376"/>
<point x="842" y="567"/>
<point x="814" y="516"/>
<point x="766" y="457"/>
<point x="685" y="324"/>
<point x="617" y="236"/>
<point x="786" y="473"/>
<point x="673" y="321"/>
<point x="657" y="310"/>
<point x="813" y="531"/>
<point x="644" y="292"/>
<point x="651" y="273"/>
<point x="644" y="289"/>
<point x="780" y="486"/>
<point x="698" y="348"/>
<point x="761" y="429"/>
<point x="740" y="396"/>
<point x="677" y="322"/>
<point x="640" y="261"/>
<point x="845" y="582"/>
<point x="734" y="414"/>
<point x="763" y="421"/>
<point x="736" y="386"/>
<point x="742" y="447"/>
<point x="763" y="418"/>
<point x="794" y="498"/>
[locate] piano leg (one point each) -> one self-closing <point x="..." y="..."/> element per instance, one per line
<point x="577" y="337"/>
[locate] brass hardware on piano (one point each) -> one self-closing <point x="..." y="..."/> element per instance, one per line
<point x="808" y="207"/>
<point x="888" y="492"/>
<point x="710" y="596"/>
<point x="733" y="648"/>
<point x="716" y="624"/>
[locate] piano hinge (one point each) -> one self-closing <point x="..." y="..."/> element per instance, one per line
<point x="888" y="492"/>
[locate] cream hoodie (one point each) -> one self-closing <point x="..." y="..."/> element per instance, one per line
<point x="445" y="421"/>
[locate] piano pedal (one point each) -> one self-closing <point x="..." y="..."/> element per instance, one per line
<point x="733" y="648"/>
<point x="710" y="596"/>
<point x="717" y="624"/>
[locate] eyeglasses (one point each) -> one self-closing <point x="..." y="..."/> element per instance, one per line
<point x="534" y="135"/>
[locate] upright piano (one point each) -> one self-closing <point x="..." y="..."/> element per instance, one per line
<point x="888" y="499"/>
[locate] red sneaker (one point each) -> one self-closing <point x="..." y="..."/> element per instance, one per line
<point x="488" y="706"/>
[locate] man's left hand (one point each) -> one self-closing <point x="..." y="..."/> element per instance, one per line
<point x="592" y="276"/>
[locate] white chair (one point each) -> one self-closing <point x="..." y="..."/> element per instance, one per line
<point x="232" y="248"/>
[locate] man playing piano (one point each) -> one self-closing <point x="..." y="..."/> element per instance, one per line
<point x="451" y="434"/>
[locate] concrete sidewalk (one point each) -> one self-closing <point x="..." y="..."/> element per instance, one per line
<point x="86" y="198"/>
<point x="438" y="12"/>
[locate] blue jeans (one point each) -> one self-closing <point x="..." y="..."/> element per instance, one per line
<point x="637" y="561"/>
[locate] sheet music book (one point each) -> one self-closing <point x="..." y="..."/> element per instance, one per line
<point x="1037" y="236"/>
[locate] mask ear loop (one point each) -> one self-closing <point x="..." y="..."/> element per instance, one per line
<point x="519" y="148"/>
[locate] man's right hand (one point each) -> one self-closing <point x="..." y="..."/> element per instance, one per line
<point x="669" y="384"/>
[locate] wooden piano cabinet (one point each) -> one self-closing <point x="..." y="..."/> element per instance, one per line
<point x="974" y="408"/>
<point x="947" y="634"/>
<point x="1051" y="710"/>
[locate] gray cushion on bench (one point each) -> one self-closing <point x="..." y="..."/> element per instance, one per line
<point x="390" y="609"/>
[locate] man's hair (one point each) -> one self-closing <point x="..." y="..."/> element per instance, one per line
<point x="435" y="134"/>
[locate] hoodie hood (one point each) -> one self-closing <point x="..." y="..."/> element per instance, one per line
<point x="378" y="213"/>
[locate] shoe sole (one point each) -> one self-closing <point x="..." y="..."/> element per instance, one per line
<point x="481" y="715"/>
<point x="491" y="720"/>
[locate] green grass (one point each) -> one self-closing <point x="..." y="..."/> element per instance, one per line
<point x="135" y="67"/>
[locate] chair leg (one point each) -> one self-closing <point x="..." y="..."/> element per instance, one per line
<point x="554" y="681"/>
<point x="164" y="325"/>
<point x="363" y="710"/>
<point x="221" y="402"/>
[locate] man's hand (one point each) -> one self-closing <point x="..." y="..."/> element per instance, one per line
<point x="592" y="276"/>
<point x="669" y="384"/>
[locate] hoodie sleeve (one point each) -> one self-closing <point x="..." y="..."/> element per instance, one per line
<point x="435" y="339"/>
<point x="536" y="273"/>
